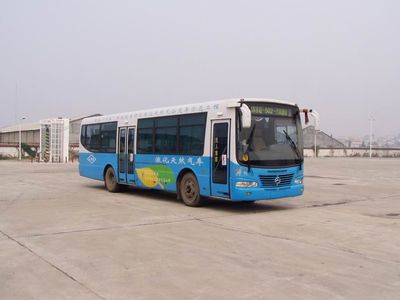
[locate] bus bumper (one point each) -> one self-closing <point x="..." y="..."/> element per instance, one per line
<point x="254" y="194"/>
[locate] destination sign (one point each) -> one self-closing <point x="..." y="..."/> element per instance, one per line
<point x="271" y="111"/>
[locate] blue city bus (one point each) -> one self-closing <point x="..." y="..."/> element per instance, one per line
<point x="236" y="149"/>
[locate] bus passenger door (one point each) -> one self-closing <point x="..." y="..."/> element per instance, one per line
<point x="122" y="155"/>
<point x="130" y="177"/>
<point x="220" y="158"/>
<point x="126" y="155"/>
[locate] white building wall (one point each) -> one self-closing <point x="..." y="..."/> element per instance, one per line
<point x="54" y="142"/>
<point x="353" y="152"/>
<point x="9" y="151"/>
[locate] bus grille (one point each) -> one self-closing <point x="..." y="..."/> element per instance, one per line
<point x="275" y="181"/>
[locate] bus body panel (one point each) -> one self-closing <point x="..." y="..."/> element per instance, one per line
<point x="152" y="174"/>
<point x="159" y="171"/>
<point x="92" y="165"/>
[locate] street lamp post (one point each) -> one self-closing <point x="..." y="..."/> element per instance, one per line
<point x="315" y="115"/>
<point x="315" y="142"/>
<point x="371" y="120"/>
<point x="20" y="142"/>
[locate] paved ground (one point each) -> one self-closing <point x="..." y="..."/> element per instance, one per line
<point x="65" y="237"/>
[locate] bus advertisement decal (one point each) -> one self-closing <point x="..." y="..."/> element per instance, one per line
<point x="158" y="175"/>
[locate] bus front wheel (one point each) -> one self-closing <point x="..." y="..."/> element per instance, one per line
<point x="110" y="181"/>
<point x="189" y="190"/>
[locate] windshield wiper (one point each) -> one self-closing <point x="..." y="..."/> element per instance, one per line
<point x="293" y="146"/>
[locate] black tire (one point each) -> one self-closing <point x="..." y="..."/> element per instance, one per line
<point x="110" y="181"/>
<point x="189" y="190"/>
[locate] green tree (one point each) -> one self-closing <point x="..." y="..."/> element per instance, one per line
<point x="28" y="150"/>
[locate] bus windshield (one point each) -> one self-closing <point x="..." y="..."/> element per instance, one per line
<point x="274" y="137"/>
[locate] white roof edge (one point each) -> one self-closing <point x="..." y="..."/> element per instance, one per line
<point x="269" y="100"/>
<point x="194" y="104"/>
<point x="24" y="127"/>
<point x="36" y="125"/>
<point x="76" y="118"/>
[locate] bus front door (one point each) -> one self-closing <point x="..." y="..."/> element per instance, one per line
<point x="220" y="158"/>
<point x="126" y="155"/>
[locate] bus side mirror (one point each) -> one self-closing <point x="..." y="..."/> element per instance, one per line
<point x="245" y="116"/>
<point x="313" y="113"/>
<point x="306" y="119"/>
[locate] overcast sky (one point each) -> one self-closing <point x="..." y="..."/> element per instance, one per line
<point x="69" y="58"/>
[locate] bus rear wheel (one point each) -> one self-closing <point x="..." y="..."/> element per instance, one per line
<point x="189" y="190"/>
<point x="110" y="181"/>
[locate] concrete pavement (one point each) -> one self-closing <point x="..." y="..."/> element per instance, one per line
<point x="66" y="237"/>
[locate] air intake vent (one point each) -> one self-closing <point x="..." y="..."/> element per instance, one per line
<point x="275" y="181"/>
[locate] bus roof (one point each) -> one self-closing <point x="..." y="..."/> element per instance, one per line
<point x="178" y="109"/>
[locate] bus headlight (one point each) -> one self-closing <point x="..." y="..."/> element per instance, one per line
<point x="246" y="184"/>
<point x="298" y="180"/>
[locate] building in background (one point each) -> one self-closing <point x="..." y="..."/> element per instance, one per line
<point x="324" y="141"/>
<point x="54" y="140"/>
<point x="30" y="135"/>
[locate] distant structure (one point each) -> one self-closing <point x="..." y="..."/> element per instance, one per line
<point x="54" y="140"/>
<point x="324" y="141"/>
<point x="31" y="135"/>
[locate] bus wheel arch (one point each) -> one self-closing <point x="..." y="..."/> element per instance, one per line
<point x="105" y="170"/>
<point x="187" y="181"/>
<point x="110" y="179"/>
<point x="178" y="181"/>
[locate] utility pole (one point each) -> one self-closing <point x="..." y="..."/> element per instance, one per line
<point x="371" y="120"/>
<point x="16" y="102"/>
<point x="315" y="142"/>
<point x="315" y="115"/>
<point x="20" y="138"/>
